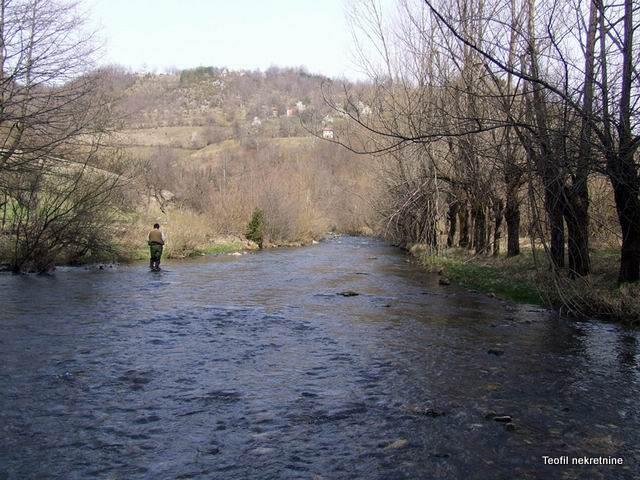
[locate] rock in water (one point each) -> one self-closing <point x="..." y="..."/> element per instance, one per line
<point x="426" y="411"/>
<point x="503" y="418"/>
<point x="444" y="281"/>
<point x="495" y="351"/>
<point x="430" y="412"/>
<point x="348" y="293"/>
<point x="399" y="443"/>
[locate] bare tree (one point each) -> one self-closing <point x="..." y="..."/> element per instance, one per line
<point x="609" y="120"/>
<point x="555" y="104"/>
<point x="55" y="120"/>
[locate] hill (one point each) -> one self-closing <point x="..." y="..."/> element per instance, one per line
<point x="212" y="145"/>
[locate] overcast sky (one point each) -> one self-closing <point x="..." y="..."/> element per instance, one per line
<point x="247" y="34"/>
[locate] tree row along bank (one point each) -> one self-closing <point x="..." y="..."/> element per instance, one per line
<point x="516" y="117"/>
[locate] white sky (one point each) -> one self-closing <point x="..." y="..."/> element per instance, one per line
<point x="239" y="34"/>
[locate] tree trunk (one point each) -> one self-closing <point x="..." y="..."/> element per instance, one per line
<point x="553" y="207"/>
<point x="498" y="213"/>
<point x="577" y="219"/>
<point x="622" y="168"/>
<point x="512" y="217"/>
<point x="626" y="188"/>
<point x="429" y="231"/>
<point x="479" y="230"/>
<point x="577" y="194"/>
<point x="463" y="217"/>
<point x="547" y="158"/>
<point x="452" y="216"/>
<point x="489" y="231"/>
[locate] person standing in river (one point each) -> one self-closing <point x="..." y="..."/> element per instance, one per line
<point x="156" y="242"/>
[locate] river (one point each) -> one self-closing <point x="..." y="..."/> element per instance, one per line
<point x="253" y="367"/>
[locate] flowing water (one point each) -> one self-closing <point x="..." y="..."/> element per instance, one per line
<point x="253" y="367"/>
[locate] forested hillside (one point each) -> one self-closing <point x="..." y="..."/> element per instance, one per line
<point x="214" y="145"/>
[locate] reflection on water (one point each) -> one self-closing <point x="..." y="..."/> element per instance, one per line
<point x="253" y="367"/>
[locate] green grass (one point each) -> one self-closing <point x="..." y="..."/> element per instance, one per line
<point x="510" y="279"/>
<point x="220" y="248"/>
<point x="523" y="280"/>
<point x="132" y="254"/>
<point x="141" y="253"/>
<point x="115" y="253"/>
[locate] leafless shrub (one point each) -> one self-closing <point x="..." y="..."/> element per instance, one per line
<point x="55" y="119"/>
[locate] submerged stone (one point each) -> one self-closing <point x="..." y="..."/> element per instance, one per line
<point x="399" y="443"/>
<point x="495" y="351"/>
<point x="348" y="293"/>
<point x="503" y="418"/>
<point x="427" y="411"/>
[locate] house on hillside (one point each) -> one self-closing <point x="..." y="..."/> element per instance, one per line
<point x="274" y="112"/>
<point x="364" y="109"/>
<point x="256" y="122"/>
<point x="327" y="132"/>
<point x="301" y="107"/>
<point x="291" y="111"/>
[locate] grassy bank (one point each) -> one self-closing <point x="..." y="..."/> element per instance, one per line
<point x="131" y="253"/>
<point x="509" y="278"/>
<point x="187" y="234"/>
<point x="526" y="278"/>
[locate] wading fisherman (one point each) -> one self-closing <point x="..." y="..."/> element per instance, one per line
<point x="156" y="241"/>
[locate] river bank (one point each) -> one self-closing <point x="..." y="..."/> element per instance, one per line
<point x="526" y="279"/>
<point x="189" y="235"/>
<point x="217" y="246"/>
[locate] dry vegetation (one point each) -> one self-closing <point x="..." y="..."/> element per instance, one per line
<point x="211" y="146"/>
<point x="196" y="151"/>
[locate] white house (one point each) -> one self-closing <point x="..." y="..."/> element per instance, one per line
<point x="364" y="109"/>
<point x="327" y="132"/>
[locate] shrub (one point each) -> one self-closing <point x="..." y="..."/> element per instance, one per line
<point x="256" y="227"/>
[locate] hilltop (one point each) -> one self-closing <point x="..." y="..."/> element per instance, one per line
<point x="208" y="96"/>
